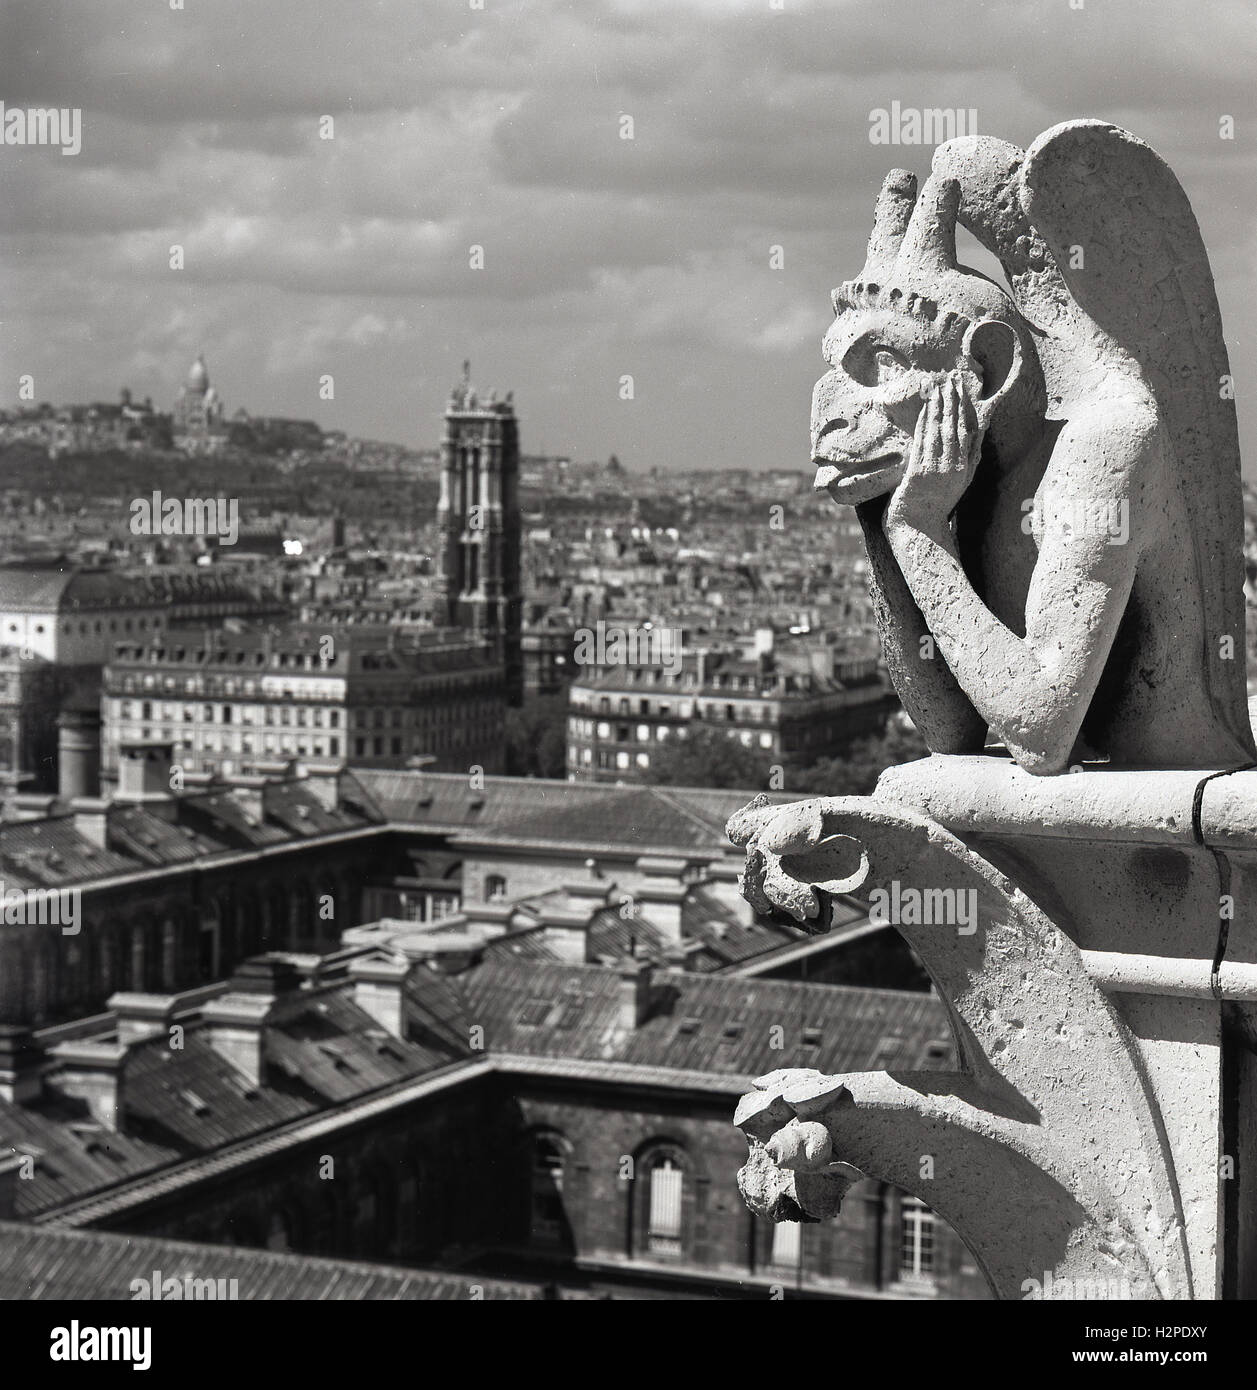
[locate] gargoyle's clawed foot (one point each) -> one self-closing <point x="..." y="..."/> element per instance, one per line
<point x="791" y="864"/>
<point x="790" y="1173"/>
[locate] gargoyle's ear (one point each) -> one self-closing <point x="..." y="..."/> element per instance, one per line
<point x="996" y="352"/>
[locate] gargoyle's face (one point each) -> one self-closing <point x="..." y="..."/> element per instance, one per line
<point x="864" y="410"/>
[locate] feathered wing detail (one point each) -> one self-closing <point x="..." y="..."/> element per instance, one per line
<point x="1144" y="278"/>
<point x="1107" y="265"/>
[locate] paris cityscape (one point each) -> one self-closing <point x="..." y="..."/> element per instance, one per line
<point x="467" y="658"/>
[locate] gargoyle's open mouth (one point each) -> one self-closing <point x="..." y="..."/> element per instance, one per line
<point x="828" y="472"/>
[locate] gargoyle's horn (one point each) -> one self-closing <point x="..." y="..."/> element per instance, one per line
<point x="989" y="172"/>
<point x="930" y="241"/>
<point x="890" y="221"/>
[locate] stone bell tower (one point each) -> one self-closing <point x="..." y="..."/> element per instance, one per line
<point x="478" y="522"/>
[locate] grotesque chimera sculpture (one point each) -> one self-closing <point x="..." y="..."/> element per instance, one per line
<point x="1047" y="479"/>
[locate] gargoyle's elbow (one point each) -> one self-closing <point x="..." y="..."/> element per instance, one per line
<point x="1043" y="759"/>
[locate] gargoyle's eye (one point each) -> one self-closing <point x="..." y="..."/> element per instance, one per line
<point x="872" y="364"/>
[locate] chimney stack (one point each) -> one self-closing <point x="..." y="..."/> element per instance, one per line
<point x="249" y="791"/>
<point x="30" y="806"/>
<point x="634" y="994"/>
<point x="661" y="894"/>
<point x="323" y="779"/>
<point x="725" y="875"/>
<point x="380" y="990"/>
<point x="93" y="1072"/>
<point x="91" y="819"/>
<point x="78" y="752"/>
<point x="141" y="1015"/>
<point x="236" y="1021"/>
<point x="237" y="1031"/>
<point x="490" y="919"/>
<point x="566" y="932"/>
<point x="144" y="777"/>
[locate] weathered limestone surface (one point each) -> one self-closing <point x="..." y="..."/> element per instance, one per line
<point x="1047" y="479"/>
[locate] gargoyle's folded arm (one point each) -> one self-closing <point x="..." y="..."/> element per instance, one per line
<point x="930" y="694"/>
<point x="1033" y="691"/>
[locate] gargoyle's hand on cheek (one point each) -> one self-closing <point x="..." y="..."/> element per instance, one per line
<point x="941" y="464"/>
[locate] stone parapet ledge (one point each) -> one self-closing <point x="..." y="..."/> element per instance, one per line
<point x="1073" y="926"/>
<point x="992" y="795"/>
<point x="1114" y="858"/>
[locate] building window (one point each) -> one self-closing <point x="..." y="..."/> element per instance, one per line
<point x="663" y="1228"/>
<point x="547" y="1217"/>
<point x="916" y="1239"/>
<point x="494" y="888"/>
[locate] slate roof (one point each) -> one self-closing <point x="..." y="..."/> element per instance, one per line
<point x="70" y="589"/>
<point x="38" y="1262"/>
<point x="51" y="853"/>
<point x="190" y="1106"/>
<point x="180" y="1105"/>
<point x="718" y="1024"/>
<point x="512" y="810"/>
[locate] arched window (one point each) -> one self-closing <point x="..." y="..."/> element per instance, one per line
<point x="494" y="888"/>
<point x="916" y="1239"/>
<point x="547" y="1217"/>
<point x="665" y="1194"/>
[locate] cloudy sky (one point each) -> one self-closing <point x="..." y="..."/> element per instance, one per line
<point x="501" y="127"/>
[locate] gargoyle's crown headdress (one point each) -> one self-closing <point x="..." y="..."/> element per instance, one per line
<point x="911" y="263"/>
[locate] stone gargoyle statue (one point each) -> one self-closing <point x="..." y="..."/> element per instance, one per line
<point x="1047" y="479"/>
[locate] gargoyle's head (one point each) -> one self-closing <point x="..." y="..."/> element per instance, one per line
<point x="911" y="317"/>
